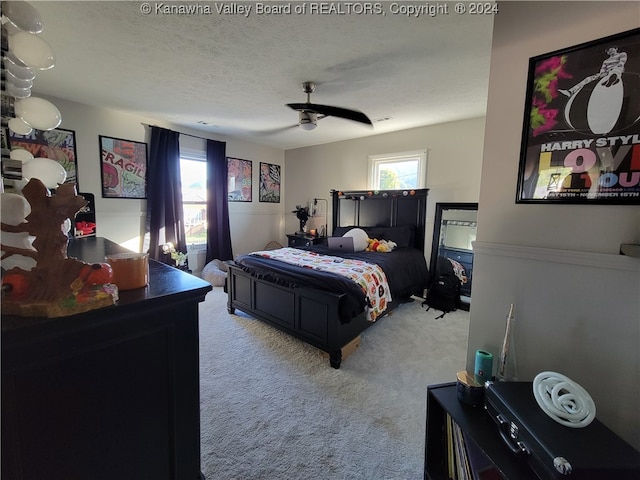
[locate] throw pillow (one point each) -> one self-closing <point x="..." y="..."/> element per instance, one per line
<point x="360" y="239"/>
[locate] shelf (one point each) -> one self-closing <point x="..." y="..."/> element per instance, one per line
<point x="475" y="424"/>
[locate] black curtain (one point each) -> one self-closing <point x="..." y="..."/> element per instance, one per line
<point x="165" y="222"/>
<point x="218" y="232"/>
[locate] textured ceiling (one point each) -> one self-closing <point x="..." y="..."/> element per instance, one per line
<point x="237" y="72"/>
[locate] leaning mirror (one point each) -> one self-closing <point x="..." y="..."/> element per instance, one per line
<point x="454" y="231"/>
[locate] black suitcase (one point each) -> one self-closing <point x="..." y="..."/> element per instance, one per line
<point x="552" y="450"/>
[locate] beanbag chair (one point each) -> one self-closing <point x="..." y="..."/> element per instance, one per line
<point x="215" y="272"/>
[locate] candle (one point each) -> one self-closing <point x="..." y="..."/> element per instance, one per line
<point x="312" y="232"/>
<point x="130" y="270"/>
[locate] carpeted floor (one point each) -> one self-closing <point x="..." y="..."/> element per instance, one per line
<point x="273" y="408"/>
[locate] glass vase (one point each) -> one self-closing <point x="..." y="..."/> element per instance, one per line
<point x="507" y="364"/>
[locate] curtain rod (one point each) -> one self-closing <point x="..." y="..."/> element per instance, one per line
<point x="177" y="131"/>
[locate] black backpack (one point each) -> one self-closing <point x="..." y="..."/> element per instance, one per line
<point x="444" y="293"/>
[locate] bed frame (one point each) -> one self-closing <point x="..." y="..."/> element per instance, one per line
<point x="311" y="314"/>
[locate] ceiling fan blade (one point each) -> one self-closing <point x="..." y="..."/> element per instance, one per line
<point x="275" y="131"/>
<point x="328" y="110"/>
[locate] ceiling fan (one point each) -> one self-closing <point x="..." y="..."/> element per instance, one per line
<point x="310" y="113"/>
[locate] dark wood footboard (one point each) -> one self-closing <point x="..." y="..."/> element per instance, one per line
<point x="306" y="313"/>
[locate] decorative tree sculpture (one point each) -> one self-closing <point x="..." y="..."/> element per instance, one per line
<point x="56" y="285"/>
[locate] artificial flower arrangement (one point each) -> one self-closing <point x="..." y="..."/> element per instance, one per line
<point x="177" y="256"/>
<point x="376" y="245"/>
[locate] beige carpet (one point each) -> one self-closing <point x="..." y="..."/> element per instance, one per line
<point x="273" y="408"/>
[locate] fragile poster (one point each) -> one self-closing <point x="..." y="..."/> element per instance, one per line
<point x="123" y="168"/>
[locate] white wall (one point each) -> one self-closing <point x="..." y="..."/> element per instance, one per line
<point x="253" y="224"/>
<point x="453" y="170"/>
<point x="577" y="301"/>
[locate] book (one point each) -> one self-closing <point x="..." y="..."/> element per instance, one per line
<point x="450" y="453"/>
<point x="463" y="469"/>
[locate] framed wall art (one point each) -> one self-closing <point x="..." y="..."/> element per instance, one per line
<point x="581" y="134"/>
<point x="5" y="138"/>
<point x="58" y="144"/>
<point x="239" y="180"/>
<point x="123" y="168"/>
<point x="269" y="183"/>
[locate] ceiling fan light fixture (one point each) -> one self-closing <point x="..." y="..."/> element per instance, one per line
<point x="308" y="120"/>
<point x="309" y="112"/>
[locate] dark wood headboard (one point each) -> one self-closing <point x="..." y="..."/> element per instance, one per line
<point x="381" y="208"/>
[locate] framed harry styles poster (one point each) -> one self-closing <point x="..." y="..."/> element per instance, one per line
<point x="581" y="130"/>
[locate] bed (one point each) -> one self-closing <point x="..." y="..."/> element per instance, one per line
<point x="322" y="308"/>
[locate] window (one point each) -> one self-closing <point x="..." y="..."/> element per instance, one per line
<point x="193" y="173"/>
<point x="398" y="170"/>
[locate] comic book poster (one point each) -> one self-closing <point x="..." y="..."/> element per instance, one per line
<point x="123" y="168"/>
<point x="269" y="183"/>
<point x="239" y="180"/>
<point x="57" y="144"/>
<point x="581" y="138"/>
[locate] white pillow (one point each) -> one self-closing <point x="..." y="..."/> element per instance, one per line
<point x="360" y="239"/>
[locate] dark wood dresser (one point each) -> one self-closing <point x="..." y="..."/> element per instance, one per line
<point x="108" y="394"/>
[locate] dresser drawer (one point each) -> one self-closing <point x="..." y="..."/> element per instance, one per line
<point x="304" y="240"/>
<point x="465" y="258"/>
<point x="299" y="241"/>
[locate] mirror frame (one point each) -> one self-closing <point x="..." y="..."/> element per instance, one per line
<point x="437" y="225"/>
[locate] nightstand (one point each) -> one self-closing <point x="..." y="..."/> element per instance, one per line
<point x="296" y="240"/>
